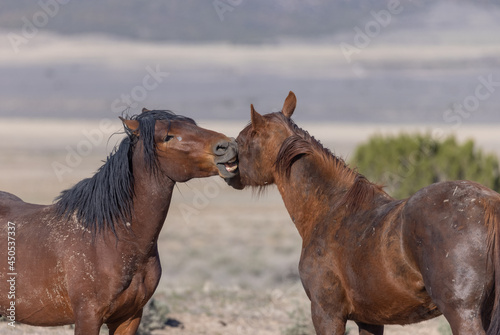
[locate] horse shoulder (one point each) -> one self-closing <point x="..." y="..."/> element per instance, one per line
<point x="323" y="278"/>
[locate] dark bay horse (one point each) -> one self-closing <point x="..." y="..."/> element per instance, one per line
<point x="92" y="257"/>
<point x="370" y="258"/>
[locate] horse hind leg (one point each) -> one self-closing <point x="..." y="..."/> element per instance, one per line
<point x="462" y="323"/>
<point x="366" y="329"/>
<point x="462" y="309"/>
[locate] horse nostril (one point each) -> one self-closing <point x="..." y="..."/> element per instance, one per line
<point x="221" y="147"/>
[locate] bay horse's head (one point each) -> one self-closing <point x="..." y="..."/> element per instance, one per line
<point x="160" y="144"/>
<point x="175" y="146"/>
<point x="259" y="144"/>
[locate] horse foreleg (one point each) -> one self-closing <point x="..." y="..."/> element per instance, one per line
<point x="128" y="327"/>
<point x="366" y="329"/>
<point x="87" y="326"/>
<point x="325" y="323"/>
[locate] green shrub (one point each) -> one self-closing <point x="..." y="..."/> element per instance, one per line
<point x="406" y="163"/>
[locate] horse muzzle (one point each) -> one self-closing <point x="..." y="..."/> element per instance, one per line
<point x="226" y="158"/>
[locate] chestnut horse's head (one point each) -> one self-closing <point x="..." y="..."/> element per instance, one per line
<point x="177" y="148"/>
<point x="259" y="144"/>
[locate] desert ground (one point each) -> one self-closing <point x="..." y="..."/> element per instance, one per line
<point x="229" y="257"/>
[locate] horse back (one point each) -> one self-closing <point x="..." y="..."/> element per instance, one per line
<point x="11" y="206"/>
<point x="7" y="200"/>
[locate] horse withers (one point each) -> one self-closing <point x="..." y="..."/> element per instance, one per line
<point x="91" y="258"/>
<point x="370" y="258"/>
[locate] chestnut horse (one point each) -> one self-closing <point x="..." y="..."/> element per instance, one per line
<point x="91" y="258"/>
<point x="370" y="258"/>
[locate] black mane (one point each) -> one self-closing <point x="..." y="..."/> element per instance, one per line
<point x="105" y="200"/>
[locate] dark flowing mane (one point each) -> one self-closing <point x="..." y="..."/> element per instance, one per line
<point x="105" y="200"/>
<point x="301" y="143"/>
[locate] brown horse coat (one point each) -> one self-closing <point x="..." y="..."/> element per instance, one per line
<point x="368" y="257"/>
<point x="92" y="257"/>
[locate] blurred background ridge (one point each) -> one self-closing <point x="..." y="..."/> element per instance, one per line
<point x="354" y="61"/>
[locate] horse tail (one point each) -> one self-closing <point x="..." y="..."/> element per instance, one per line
<point x="492" y="221"/>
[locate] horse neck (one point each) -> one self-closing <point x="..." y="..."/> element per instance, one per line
<point x="311" y="191"/>
<point x="151" y="201"/>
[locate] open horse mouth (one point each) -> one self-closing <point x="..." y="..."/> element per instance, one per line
<point x="227" y="159"/>
<point x="232" y="165"/>
<point x="229" y="168"/>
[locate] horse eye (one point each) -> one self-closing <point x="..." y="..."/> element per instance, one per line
<point x="167" y="138"/>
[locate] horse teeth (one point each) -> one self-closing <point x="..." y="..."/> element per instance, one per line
<point x="231" y="168"/>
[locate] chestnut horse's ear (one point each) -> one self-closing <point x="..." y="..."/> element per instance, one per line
<point x="289" y="105"/>
<point x="131" y="125"/>
<point x="257" y="119"/>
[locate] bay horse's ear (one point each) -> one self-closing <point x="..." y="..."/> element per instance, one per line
<point x="145" y="110"/>
<point x="289" y="105"/>
<point x="131" y="125"/>
<point x="257" y="119"/>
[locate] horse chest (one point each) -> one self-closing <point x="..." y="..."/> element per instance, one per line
<point x="361" y="299"/>
<point x="355" y="281"/>
<point x="135" y="289"/>
<point x="143" y="277"/>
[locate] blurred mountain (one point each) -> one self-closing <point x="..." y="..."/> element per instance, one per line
<point x="89" y="58"/>
<point x="237" y="21"/>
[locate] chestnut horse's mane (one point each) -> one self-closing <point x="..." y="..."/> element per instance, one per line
<point x="105" y="200"/>
<point x="301" y="143"/>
